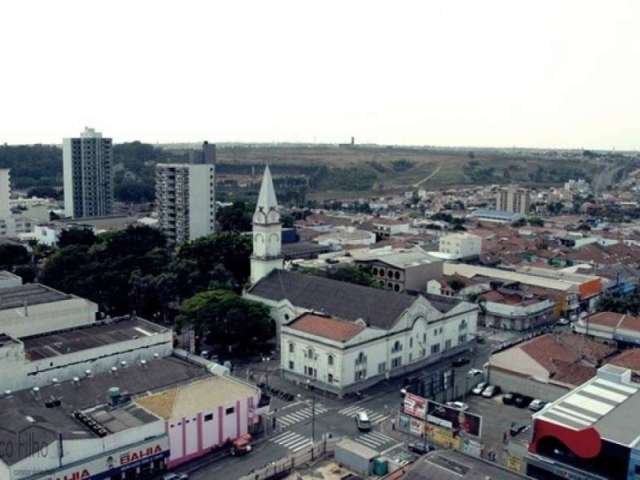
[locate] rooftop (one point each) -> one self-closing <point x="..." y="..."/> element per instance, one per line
<point x="27" y="409"/>
<point x="377" y="307"/>
<point x="100" y="334"/>
<point x="608" y="402"/>
<point x="29" y="294"/>
<point x="202" y="395"/>
<point x="327" y="327"/>
<point x="453" y="465"/>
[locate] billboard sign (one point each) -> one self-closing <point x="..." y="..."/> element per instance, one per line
<point x="415" y="406"/>
<point x="453" y="419"/>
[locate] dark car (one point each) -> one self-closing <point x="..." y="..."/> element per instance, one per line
<point x="458" y="362"/>
<point x="522" y="401"/>
<point x="508" y="398"/>
<point x="420" y="448"/>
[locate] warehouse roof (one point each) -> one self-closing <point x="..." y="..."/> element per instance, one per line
<point x="92" y="336"/>
<point x="29" y="294"/>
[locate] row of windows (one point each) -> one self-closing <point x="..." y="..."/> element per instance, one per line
<point x="381" y="272"/>
<point x="207" y="418"/>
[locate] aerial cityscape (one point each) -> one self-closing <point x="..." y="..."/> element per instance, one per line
<point x="337" y="274"/>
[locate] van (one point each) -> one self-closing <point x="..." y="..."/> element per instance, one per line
<point x="362" y="422"/>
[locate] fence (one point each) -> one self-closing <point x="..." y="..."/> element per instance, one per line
<point x="284" y="466"/>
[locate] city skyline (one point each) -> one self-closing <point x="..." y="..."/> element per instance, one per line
<point x="531" y="75"/>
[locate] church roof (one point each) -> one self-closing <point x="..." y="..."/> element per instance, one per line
<point x="377" y="307"/>
<point x="267" y="196"/>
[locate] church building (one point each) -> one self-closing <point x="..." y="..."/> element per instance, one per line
<point x="344" y="337"/>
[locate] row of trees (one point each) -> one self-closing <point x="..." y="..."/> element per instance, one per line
<point x="133" y="270"/>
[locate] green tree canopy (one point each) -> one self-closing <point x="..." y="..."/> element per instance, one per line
<point x="225" y="318"/>
<point x="12" y="254"/>
<point x="76" y="236"/>
<point x="235" y="218"/>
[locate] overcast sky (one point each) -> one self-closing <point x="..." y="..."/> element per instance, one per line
<point x="449" y="72"/>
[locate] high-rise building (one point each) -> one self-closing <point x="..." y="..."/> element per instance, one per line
<point x="7" y="221"/>
<point x="88" y="175"/>
<point x="267" y="232"/>
<point x="515" y="200"/>
<point x="185" y="196"/>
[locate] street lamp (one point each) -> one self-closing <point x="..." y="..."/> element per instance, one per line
<point x="313" y="411"/>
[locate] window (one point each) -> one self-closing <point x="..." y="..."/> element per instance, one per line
<point x="382" y="367"/>
<point x="447" y="344"/>
<point x="309" y="353"/>
<point x="396" y="288"/>
<point x="361" y="358"/>
<point x="462" y="325"/>
<point x="435" y="348"/>
<point x="462" y="339"/>
<point x="330" y="378"/>
<point x="291" y="348"/>
<point x="411" y="342"/>
<point x="397" y="275"/>
<point x="330" y="360"/>
<point x="390" y="274"/>
<point x="291" y="365"/>
<point x="208" y="417"/>
<point x="360" y="375"/>
<point x="375" y="271"/>
<point x="424" y="338"/>
<point x="397" y="347"/>
<point x="396" y="362"/>
<point x="230" y="411"/>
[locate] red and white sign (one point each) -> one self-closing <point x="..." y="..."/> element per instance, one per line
<point x="415" y="406"/>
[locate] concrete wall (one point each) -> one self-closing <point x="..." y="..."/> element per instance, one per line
<point x="526" y="386"/>
<point x="9" y="280"/>
<point x="202" y="206"/>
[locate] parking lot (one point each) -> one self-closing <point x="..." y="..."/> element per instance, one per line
<point x="496" y="420"/>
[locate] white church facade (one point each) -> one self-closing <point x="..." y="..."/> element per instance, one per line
<point x="344" y="337"/>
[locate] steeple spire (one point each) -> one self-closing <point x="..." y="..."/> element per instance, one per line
<point x="267" y="198"/>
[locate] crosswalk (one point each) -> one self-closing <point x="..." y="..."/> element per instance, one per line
<point x="300" y="415"/>
<point x="292" y="440"/>
<point x="374" y="416"/>
<point x="375" y="440"/>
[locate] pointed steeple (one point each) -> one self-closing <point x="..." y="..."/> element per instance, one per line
<point x="267" y="198"/>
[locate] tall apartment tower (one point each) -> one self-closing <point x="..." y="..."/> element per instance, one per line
<point x="88" y="175"/>
<point x="7" y="221"/>
<point x="515" y="200"/>
<point x="185" y="196"/>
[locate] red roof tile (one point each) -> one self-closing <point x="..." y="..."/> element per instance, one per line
<point x="327" y="327"/>
<point x="628" y="359"/>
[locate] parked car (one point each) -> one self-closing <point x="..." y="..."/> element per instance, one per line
<point x="491" y="391"/>
<point x="516" y="428"/>
<point x="474" y="371"/>
<point x="522" y="401"/>
<point x="420" y="448"/>
<point x="460" y="361"/>
<point x="479" y="388"/>
<point x="458" y="405"/>
<point x="563" y="321"/>
<point x="362" y="422"/>
<point x="508" y="398"/>
<point x="536" y="405"/>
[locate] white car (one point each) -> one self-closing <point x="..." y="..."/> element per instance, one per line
<point x="458" y="405"/>
<point x="536" y="405"/>
<point x="477" y="390"/>
<point x="563" y="321"/>
<point x="474" y="371"/>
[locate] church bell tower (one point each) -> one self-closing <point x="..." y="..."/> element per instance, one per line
<point x="267" y="232"/>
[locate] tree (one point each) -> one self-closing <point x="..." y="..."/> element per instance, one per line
<point x="235" y="218"/>
<point x="76" y="236"/>
<point x="45" y="192"/>
<point x="12" y="254"/>
<point x="218" y="260"/>
<point x="227" y="319"/>
<point x="134" y="191"/>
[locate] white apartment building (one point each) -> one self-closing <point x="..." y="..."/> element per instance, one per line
<point x="343" y="356"/>
<point x="88" y="175"/>
<point x="460" y="245"/>
<point x="515" y="200"/>
<point x="185" y="197"/>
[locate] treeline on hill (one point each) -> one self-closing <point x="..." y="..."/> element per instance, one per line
<point x="38" y="169"/>
<point x="132" y="270"/>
